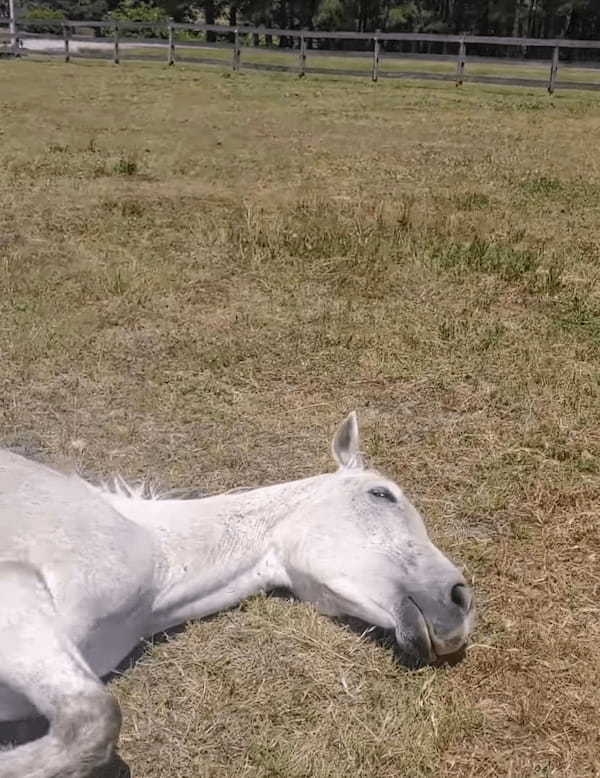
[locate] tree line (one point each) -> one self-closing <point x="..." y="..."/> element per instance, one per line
<point x="527" y="18"/>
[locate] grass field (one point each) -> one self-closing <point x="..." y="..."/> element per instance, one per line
<point x="201" y="273"/>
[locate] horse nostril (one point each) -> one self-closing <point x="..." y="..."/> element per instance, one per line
<point x="461" y="596"/>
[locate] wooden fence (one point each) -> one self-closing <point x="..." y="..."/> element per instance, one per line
<point x="176" y="41"/>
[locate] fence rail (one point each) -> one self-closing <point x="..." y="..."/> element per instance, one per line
<point x="67" y="36"/>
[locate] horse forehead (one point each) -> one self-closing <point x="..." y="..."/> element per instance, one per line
<point x="361" y="480"/>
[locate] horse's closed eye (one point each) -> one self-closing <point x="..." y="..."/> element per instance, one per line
<point x="382" y="493"/>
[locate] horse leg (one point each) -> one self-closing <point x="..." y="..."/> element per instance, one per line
<point x="39" y="661"/>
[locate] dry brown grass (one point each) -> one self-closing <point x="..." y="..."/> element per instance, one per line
<point x="199" y="275"/>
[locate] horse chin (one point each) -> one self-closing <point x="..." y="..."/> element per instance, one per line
<point x="449" y="660"/>
<point x="409" y="643"/>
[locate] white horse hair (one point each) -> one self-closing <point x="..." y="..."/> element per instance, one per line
<point x="86" y="572"/>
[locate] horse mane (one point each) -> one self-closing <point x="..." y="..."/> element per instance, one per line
<point x="146" y="490"/>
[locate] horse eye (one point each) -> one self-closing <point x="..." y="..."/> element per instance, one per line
<point x="382" y="493"/>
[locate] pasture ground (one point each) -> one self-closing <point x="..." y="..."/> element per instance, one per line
<point x="200" y="274"/>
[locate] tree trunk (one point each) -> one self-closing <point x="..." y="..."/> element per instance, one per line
<point x="209" y="18"/>
<point x="232" y="22"/>
<point x="531" y="19"/>
<point x="484" y="21"/>
<point x="516" y="30"/>
<point x="568" y="18"/>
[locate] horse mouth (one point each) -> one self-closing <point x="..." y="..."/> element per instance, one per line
<point x="426" y="632"/>
<point x="437" y="659"/>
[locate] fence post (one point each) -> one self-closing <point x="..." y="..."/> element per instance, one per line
<point x="116" y="53"/>
<point x="12" y="27"/>
<point x="236" y="50"/>
<point x="460" y="65"/>
<point x="553" y="70"/>
<point x="171" y="55"/>
<point x="16" y="42"/>
<point x="375" y="71"/>
<point x="302" y="72"/>
<point x="66" y="40"/>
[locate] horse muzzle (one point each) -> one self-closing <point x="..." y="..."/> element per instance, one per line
<point x="433" y="628"/>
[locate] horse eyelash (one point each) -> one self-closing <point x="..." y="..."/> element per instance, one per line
<point x="383" y="493"/>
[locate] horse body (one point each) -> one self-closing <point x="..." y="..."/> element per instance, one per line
<point x="96" y="566"/>
<point x="86" y="573"/>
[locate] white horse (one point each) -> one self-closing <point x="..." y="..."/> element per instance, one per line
<point x="85" y="573"/>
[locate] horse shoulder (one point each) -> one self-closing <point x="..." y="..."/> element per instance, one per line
<point x="99" y="566"/>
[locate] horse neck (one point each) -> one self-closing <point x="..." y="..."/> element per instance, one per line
<point x="217" y="550"/>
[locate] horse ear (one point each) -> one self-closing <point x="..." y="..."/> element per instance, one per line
<point x="346" y="443"/>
